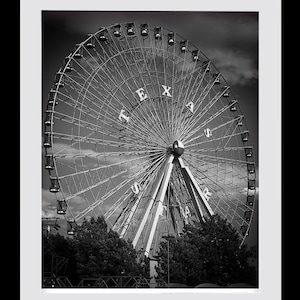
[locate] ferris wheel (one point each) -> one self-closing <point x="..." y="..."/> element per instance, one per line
<point x="142" y="128"/>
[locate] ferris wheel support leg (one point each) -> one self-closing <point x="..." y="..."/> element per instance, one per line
<point x="159" y="206"/>
<point x="189" y="178"/>
<point x="196" y="204"/>
<point x="129" y="217"/>
<point x="150" y="205"/>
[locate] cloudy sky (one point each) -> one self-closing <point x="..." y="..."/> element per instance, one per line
<point x="230" y="40"/>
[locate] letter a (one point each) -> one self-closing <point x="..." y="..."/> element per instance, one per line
<point x="190" y="106"/>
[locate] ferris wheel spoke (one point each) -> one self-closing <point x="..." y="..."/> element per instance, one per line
<point x="183" y="73"/>
<point x="141" y="125"/>
<point x="79" y="88"/>
<point x="92" y="154"/>
<point x="99" y="201"/>
<point x="145" y="174"/>
<point x="181" y="81"/>
<point x="108" y="179"/>
<point x="160" y="127"/>
<point x="185" y="90"/>
<point x="141" y="130"/>
<point x="93" y="97"/>
<point x="85" y="124"/>
<point x="172" y="58"/>
<point x="148" y="173"/>
<point x="98" y="141"/>
<point x="209" y="170"/>
<point x="207" y="157"/>
<point x="168" y="61"/>
<point x="142" y="116"/>
<point x="212" y="131"/>
<point x="197" y="84"/>
<point x="105" y="121"/>
<point x="124" y="71"/>
<point x="106" y="166"/>
<point x="140" y="71"/>
<point x="230" y="149"/>
<point x="199" y="111"/>
<point x="103" y="140"/>
<point x="220" y="189"/>
<point x="103" y="65"/>
<point x="118" y="204"/>
<point x="220" y="139"/>
<point x="101" y="82"/>
<point x="134" y="163"/>
<point x="159" y="59"/>
<point x="128" y="214"/>
<point x="210" y="167"/>
<point x="125" y="216"/>
<point x="189" y="131"/>
<point x="207" y="107"/>
<point x="111" y="192"/>
<point x="182" y="199"/>
<point x="145" y="180"/>
<point x="86" y="111"/>
<point x="192" y="95"/>
<point x="229" y="132"/>
<point x="76" y="75"/>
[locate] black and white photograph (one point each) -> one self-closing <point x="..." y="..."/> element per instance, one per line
<point x="151" y="153"/>
<point x="150" y="149"/>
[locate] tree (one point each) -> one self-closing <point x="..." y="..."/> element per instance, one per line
<point x="101" y="252"/>
<point x="93" y="251"/>
<point x="206" y="252"/>
<point x="59" y="247"/>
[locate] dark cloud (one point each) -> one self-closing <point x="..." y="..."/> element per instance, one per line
<point x="228" y="38"/>
<point x="238" y="68"/>
<point x="207" y="29"/>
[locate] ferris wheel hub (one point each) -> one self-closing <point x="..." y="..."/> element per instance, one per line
<point x="177" y="148"/>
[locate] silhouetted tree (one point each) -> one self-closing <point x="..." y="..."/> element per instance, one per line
<point x="93" y="251"/>
<point x="207" y="252"/>
<point x="58" y="246"/>
<point x="101" y="252"/>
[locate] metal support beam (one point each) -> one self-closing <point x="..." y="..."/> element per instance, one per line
<point x="150" y="204"/>
<point x="159" y="204"/>
<point x="190" y="179"/>
<point x="130" y="215"/>
<point x="191" y="191"/>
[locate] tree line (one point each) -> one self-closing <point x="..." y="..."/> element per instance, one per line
<point x="204" y="252"/>
<point x="208" y="252"/>
<point x="94" y="251"/>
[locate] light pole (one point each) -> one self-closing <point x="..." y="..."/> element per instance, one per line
<point x="168" y="263"/>
<point x="168" y="237"/>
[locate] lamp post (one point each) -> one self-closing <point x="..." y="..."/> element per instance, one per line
<point x="168" y="237"/>
<point x="168" y="263"/>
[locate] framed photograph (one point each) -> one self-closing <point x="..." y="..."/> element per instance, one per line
<point x="150" y="142"/>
